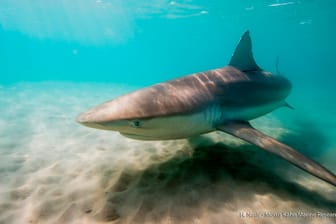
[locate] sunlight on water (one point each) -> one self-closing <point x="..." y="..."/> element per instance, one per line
<point x="95" y="22"/>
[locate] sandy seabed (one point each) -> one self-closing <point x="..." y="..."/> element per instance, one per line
<point x="53" y="170"/>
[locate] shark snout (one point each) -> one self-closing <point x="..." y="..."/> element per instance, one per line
<point x="88" y="119"/>
<point x="85" y="118"/>
<point x="98" y="114"/>
<point x="93" y="115"/>
<point x="99" y="117"/>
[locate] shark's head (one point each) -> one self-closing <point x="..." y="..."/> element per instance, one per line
<point x="141" y="128"/>
<point x="120" y="115"/>
<point x="141" y="115"/>
<point x="133" y="127"/>
<point x="138" y="128"/>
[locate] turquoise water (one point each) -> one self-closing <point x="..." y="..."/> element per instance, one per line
<point x="142" y="43"/>
<point x="58" y="58"/>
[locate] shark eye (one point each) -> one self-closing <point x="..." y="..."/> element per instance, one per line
<point x="136" y="123"/>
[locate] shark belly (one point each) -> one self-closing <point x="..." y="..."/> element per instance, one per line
<point x="176" y="127"/>
<point x="188" y="125"/>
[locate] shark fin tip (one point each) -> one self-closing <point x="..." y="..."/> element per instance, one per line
<point x="242" y="57"/>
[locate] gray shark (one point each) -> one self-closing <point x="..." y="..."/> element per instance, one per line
<point x="223" y="99"/>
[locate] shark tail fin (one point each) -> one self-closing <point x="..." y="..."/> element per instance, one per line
<point x="242" y="57"/>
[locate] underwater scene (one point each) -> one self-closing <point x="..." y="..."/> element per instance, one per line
<point x="60" y="58"/>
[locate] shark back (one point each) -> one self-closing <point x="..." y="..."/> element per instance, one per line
<point x="242" y="83"/>
<point x="227" y="87"/>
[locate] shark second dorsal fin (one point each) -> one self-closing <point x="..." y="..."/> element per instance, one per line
<point x="242" y="57"/>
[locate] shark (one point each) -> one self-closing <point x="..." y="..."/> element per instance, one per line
<point x="223" y="99"/>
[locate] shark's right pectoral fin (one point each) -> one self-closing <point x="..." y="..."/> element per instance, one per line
<point x="245" y="131"/>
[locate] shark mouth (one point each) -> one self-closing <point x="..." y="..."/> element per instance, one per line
<point x="138" y="137"/>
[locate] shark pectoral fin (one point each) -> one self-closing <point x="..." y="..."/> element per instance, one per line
<point x="245" y="131"/>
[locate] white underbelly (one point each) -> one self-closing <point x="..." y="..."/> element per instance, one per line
<point x="173" y="127"/>
<point x="185" y="126"/>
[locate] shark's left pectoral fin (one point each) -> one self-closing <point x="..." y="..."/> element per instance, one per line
<point x="245" y="131"/>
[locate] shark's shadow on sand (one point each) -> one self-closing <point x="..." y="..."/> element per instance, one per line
<point x="213" y="177"/>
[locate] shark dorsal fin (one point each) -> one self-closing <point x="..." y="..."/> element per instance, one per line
<point x="242" y="57"/>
